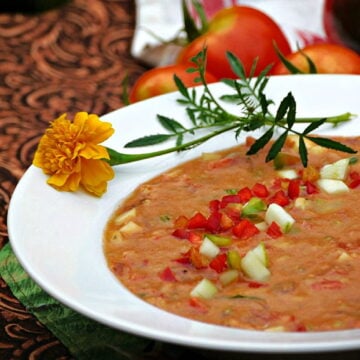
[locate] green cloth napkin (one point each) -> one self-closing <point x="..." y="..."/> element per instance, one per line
<point x="83" y="337"/>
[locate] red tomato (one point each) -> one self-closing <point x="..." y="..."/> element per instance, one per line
<point x="246" y="32"/>
<point x="328" y="58"/>
<point x="160" y="80"/>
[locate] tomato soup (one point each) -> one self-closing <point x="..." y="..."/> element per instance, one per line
<point x="229" y="239"/>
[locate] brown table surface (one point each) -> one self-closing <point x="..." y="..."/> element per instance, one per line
<point x="73" y="58"/>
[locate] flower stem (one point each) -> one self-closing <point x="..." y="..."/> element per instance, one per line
<point x="117" y="158"/>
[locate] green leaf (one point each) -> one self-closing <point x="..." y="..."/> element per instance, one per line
<point x="179" y="139"/>
<point x="191" y="30"/>
<point x="181" y="87"/>
<point x="291" y="113"/>
<point x="276" y="146"/>
<point x="261" y="142"/>
<point x="313" y="126"/>
<point x="310" y="63"/>
<point x="291" y="67"/>
<point x="170" y="124"/>
<point x="148" y="140"/>
<point x="236" y="66"/>
<point x="303" y="151"/>
<point x="283" y="108"/>
<point x="331" y="144"/>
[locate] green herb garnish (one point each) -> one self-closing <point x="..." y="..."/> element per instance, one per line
<point x="207" y="113"/>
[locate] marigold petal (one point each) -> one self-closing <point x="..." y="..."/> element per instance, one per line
<point x="65" y="182"/>
<point x="91" y="151"/>
<point x="92" y="128"/>
<point x="94" y="176"/>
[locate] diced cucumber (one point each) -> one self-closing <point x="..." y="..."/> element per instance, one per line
<point x="234" y="259"/>
<point x="288" y="174"/>
<point x="229" y="276"/>
<point x="219" y="240"/>
<point x="253" y="207"/>
<point x="332" y="186"/>
<point x="260" y="252"/>
<point x="204" y="289"/>
<point x="254" y="268"/>
<point x="262" y="226"/>
<point x="208" y="248"/>
<point x="336" y="171"/>
<point x="278" y="214"/>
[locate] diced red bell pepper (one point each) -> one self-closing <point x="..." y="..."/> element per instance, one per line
<point x="219" y="263"/>
<point x="167" y="275"/>
<point x="274" y="230"/>
<point x="185" y="260"/>
<point x="245" y="194"/>
<point x="245" y="229"/>
<point x="181" y="233"/>
<point x="280" y="198"/>
<point x="198" y="304"/>
<point x="311" y="188"/>
<point x="255" y="284"/>
<point x="213" y="222"/>
<point x="294" y="189"/>
<point x="228" y="199"/>
<point x="355" y="179"/>
<point x="260" y="190"/>
<point x="197" y="221"/>
<point x="214" y="205"/>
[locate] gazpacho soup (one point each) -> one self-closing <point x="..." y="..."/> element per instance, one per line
<point x="229" y="239"/>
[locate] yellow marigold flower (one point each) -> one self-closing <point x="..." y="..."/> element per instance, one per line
<point x="70" y="154"/>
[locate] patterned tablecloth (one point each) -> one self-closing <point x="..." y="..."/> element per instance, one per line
<point x="72" y="58"/>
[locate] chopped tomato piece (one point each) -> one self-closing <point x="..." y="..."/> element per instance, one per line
<point x="226" y="222"/>
<point x="167" y="275"/>
<point x="274" y="230"/>
<point x="213" y="222"/>
<point x="260" y="190"/>
<point x="311" y="188"/>
<point x="245" y="195"/>
<point x="197" y="221"/>
<point x="245" y="229"/>
<point x="219" y="263"/>
<point x="196" y="259"/>
<point x="280" y="198"/>
<point x="294" y="188"/>
<point x="195" y="238"/>
<point x="181" y="222"/>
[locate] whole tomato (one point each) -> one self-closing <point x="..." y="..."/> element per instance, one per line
<point x="246" y="32"/>
<point x="160" y="80"/>
<point x="328" y="59"/>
